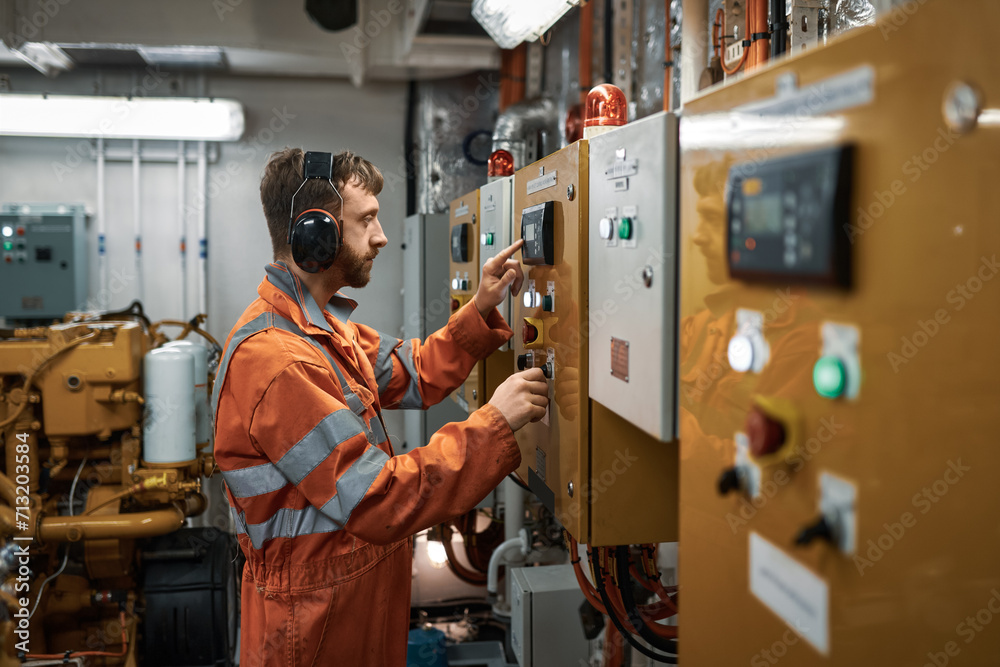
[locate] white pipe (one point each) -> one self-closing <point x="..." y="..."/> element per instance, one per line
<point x="154" y="152"/>
<point x="137" y="217"/>
<point x="182" y="228"/>
<point x="513" y="519"/>
<point x="520" y="543"/>
<point x="513" y="511"/>
<point x="202" y="217"/>
<point x="102" y="258"/>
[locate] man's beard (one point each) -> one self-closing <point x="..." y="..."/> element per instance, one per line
<point x="357" y="272"/>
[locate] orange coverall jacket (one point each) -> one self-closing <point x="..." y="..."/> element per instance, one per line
<point x="323" y="509"/>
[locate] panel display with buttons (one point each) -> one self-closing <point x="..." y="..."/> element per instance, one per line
<point x="538" y="235"/>
<point x="786" y="218"/>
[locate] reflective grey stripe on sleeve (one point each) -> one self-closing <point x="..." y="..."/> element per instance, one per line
<point x="254" y="481"/>
<point x="319" y="443"/>
<point x="256" y="325"/>
<point x="383" y="361"/>
<point x="412" y="400"/>
<point x="350" y="398"/>
<point x="354" y="484"/>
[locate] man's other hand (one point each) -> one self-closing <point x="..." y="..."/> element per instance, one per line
<point x="522" y="398"/>
<point x="500" y="272"/>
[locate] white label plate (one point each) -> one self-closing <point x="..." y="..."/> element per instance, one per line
<point x="542" y="182"/>
<point x="851" y="89"/>
<point x="798" y="597"/>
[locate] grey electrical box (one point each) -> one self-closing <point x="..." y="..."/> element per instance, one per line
<point x="43" y="266"/>
<point x="426" y="308"/>
<point x="545" y="627"/>
<point x="633" y="273"/>
<point x="496" y="215"/>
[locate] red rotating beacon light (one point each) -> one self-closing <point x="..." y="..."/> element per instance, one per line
<point x="606" y="106"/>
<point x="500" y="163"/>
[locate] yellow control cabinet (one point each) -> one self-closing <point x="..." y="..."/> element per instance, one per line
<point x="837" y="356"/>
<point x="549" y="322"/>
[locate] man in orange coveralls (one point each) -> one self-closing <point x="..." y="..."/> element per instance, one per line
<point x="323" y="509"/>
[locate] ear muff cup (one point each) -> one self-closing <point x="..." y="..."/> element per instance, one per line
<point x="316" y="240"/>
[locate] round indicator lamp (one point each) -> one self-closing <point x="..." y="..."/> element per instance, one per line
<point x="830" y="377"/>
<point x="740" y="353"/>
<point x="606" y="228"/>
<point x="8" y="231"/>
<point x="500" y="163"/>
<point x="606" y="105"/>
<point x="625" y="229"/>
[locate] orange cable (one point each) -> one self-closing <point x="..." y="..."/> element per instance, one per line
<point x="77" y="654"/>
<point x="746" y="51"/>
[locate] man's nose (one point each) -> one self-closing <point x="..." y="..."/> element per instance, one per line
<point x="379" y="239"/>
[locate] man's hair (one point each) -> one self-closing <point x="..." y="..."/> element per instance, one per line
<point x="283" y="176"/>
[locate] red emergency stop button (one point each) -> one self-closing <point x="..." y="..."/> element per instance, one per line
<point x="529" y="334"/>
<point x="455" y="304"/>
<point x="20" y="231"/>
<point x="766" y="434"/>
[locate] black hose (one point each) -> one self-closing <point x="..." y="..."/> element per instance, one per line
<point x="628" y="599"/>
<point x="521" y="484"/>
<point x="409" y="147"/>
<point x="779" y="27"/>
<point x="609" y="37"/>
<point x="649" y="653"/>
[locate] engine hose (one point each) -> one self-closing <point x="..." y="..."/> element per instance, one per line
<point x="628" y="599"/>
<point x="649" y="653"/>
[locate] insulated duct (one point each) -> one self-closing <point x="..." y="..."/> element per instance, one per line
<point x="452" y="122"/>
<point x="850" y="14"/>
<point x="529" y="130"/>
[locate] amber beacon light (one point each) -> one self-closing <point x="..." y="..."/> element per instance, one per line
<point x="606" y="105"/>
<point x="606" y="108"/>
<point x="500" y="163"/>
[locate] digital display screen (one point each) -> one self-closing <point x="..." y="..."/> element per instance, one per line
<point x="536" y="230"/>
<point x="763" y="214"/>
<point x="786" y="223"/>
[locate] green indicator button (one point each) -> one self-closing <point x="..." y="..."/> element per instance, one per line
<point x="8" y="245"/>
<point x="625" y="229"/>
<point x="489" y="238"/>
<point x="829" y="377"/>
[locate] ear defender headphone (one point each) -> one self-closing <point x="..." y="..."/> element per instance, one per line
<point x="316" y="235"/>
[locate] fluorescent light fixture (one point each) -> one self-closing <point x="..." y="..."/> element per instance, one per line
<point x="510" y="22"/>
<point x="173" y="118"/>
<point x="46" y="57"/>
<point x="183" y="56"/>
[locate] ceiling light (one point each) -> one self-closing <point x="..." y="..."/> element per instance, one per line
<point x="510" y="22"/>
<point x="174" y="118"/>
<point x="46" y="57"/>
<point x="183" y="56"/>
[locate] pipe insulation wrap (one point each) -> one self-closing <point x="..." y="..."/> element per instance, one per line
<point x="850" y="14"/>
